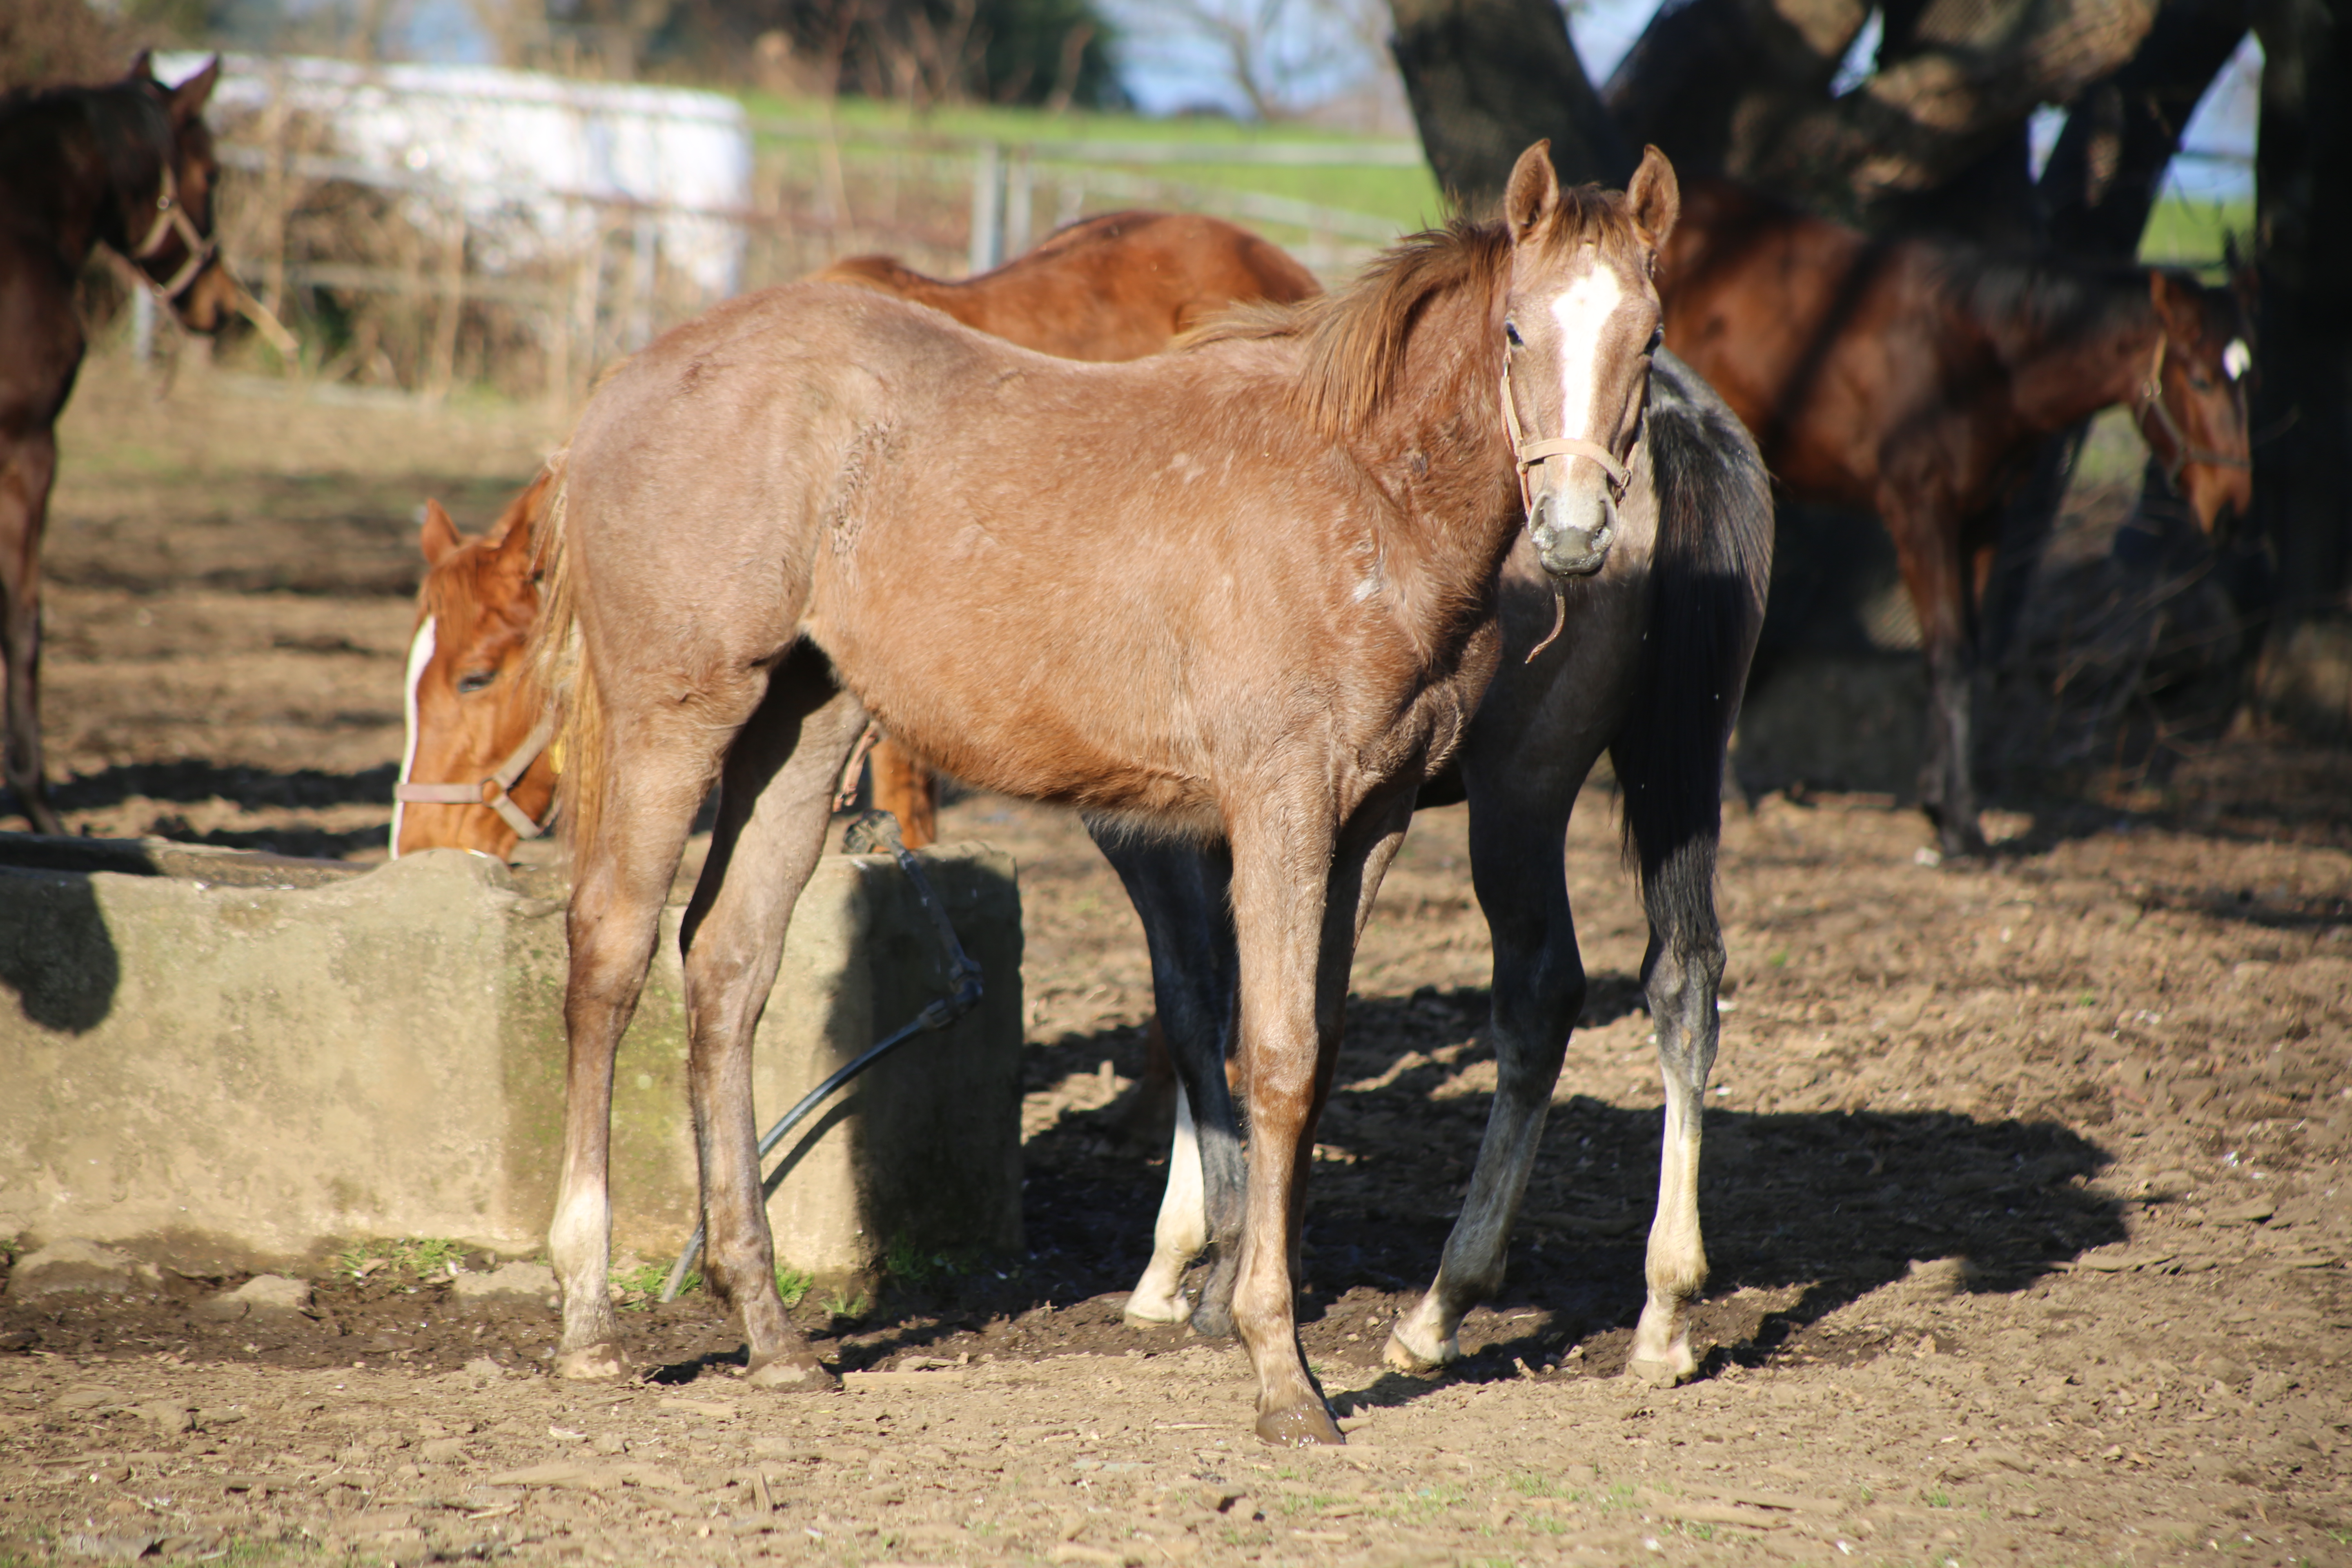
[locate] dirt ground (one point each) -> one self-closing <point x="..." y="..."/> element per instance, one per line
<point x="2024" y="1196"/>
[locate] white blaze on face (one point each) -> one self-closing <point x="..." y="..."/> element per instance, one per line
<point x="2237" y="359"/>
<point x="420" y="655"/>
<point x="1583" y="311"/>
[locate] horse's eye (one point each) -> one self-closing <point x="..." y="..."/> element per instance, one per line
<point x="1657" y="339"/>
<point x="476" y="681"/>
<point x="1511" y="331"/>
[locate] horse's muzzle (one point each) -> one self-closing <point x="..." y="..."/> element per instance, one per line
<point x="1572" y="531"/>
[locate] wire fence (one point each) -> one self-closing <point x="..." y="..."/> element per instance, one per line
<point x="396" y="272"/>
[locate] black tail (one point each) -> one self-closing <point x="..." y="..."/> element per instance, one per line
<point x="1712" y="564"/>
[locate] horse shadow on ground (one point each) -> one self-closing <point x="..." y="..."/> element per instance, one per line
<point x="1805" y="1213"/>
<point x="192" y="781"/>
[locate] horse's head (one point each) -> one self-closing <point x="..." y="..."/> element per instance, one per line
<point x="2191" y="406"/>
<point x="478" y="772"/>
<point x="168" y="217"/>
<point x="1580" y="320"/>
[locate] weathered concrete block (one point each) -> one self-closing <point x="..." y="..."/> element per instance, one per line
<point x="265" y="1069"/>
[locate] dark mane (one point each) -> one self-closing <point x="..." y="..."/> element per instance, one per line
<point x="1354" y="338"/>
<point x="2040" y="298"/>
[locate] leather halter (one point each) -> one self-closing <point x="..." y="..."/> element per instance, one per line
<point x="2150" y="405"/>
<point x="171" y="217"/>
<point x="492" y="791"/>
<point x="1528" y="455"/>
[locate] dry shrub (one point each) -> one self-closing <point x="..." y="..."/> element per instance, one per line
<point x="49" y="43"/>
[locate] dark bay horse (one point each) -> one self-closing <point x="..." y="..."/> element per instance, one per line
<point x="1105" y="289"/>
<point x="1650" y="665"/>
<point x="1918" y="380"/>
<point x="1245" y="594"/>
<point x="128" y="166"/>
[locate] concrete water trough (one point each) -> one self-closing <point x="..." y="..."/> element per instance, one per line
<point x="244" y="1057"/>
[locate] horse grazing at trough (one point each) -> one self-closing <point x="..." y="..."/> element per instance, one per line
<point x="1649" y="664"/>
<point x="1918" y="379"/>
<point x="128" y="166"/>
<point x="1266" y="627"/>
<point x="476" y="767"/>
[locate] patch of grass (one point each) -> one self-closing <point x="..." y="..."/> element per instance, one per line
<point x="425" y="1255"/>
<point x="1939" y="1498"/>
<point x="1778" y="959"/>
<point x="793" y="1284"/>
<point x="841" y="1304"/>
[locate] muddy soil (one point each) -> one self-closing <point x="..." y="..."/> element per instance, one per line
<point x="2024" y="1197"/>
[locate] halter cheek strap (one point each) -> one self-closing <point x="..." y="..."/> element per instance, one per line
<point x="171" y="218"/>
<point x="492" y="791"/>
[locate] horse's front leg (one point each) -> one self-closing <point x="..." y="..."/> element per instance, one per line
<point x="27" y="465"/>
<point x="1299" y="898"/>
<point x="1180" y="891"/>
<point x="1681" y="973"/>
<point x="775" y="799"/>
<point x="1539" y="996"/>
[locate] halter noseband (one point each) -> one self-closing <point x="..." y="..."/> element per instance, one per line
<point x="1528" y="455"/>
<point x="2149" y="404"/>
<point x="171" y="217"/>
<point x="493" y="791"/>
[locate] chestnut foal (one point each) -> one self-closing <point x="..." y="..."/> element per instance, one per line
<point x="1245" y="592"/>
<point x="476" y="770"/>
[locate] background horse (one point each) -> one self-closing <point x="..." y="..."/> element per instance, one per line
<point x="1918" y="380"/>
<point x="1106" y="288"/>
<point x="1649" y="664"/>
<point x="963" y="539"/>
<point x="128" y="166"/>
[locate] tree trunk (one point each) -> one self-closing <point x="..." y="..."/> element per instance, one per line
<point x="2108" y="167"/>
<point x="1945" y="97"/>
<point x="1710" y="81"/>
<point x="1485" y="77"/>
<point x="2303" y="399"/>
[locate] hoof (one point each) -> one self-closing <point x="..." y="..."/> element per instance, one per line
<point x="803" y="1373"/>
<point x="1302" y="1427"/>
<point x="1660" y="1373"/>
<point x="1405" y="1358"/>
<point x="1141" y="1313"/>
<point x="592" y="1363"/>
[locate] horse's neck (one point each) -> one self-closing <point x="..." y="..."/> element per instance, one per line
<point x="1436" y="447"/>
<point x="2063" y="374"/>
<point x="46" y="145"/>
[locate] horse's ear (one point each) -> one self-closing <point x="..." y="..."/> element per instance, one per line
<point x="1655" y="197"/>
<point x="440" y="535"/>
<point x="188" y="99"/>
<point x="2177" y="306"/>
<point x="143" y="67"/>
<point x="1533" y="195"/>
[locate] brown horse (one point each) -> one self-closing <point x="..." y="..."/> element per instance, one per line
<point x="1918" y="380"/>
<point x="128" y="166"/>
<point x="1105" y="289"/>
<point x="1245" y="592"/>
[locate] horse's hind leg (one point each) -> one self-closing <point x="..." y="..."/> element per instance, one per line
<point x="621" y="879"/>
<point x="774" y="800"/>
<point x="28" y="465"/>
<point x="1539" y="994"/>
<point x="1180" y="891"/>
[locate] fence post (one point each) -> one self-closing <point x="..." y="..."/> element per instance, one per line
<point x="987" y="208"/>
<point x="1020" y="198"/>
<point x="143" y="323"/>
